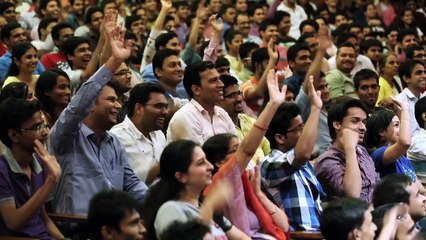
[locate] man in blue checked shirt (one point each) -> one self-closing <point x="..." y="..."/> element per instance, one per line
<point x="287" y="172"/>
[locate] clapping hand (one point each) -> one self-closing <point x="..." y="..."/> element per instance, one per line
<point x="275" y="95"/>
<point x="53" y="170"/>
<point x="314" y="96"/>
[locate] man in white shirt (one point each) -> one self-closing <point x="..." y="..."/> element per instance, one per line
<point x="201" y="118"/>
<point x="140" y="132"/>
<point x="417" y="151"/>
<point x="297" y="15"/>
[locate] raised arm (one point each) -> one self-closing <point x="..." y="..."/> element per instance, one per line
<point x="16" y="218"/>
<point x="209" y="52"/>
<point x="257" y="92"/>
<point x="306" y="143"/>
<point x="401" y="146"/>
<point x="251" y="142"/>
<point x="352" y="181"/>
<point x="195" y="27"/>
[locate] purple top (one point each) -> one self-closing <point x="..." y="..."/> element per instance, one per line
<point x="330" y="171"/>
<point x="16" y="187"/>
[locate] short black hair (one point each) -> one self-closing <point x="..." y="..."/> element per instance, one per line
<point x="345" y="44"/>
<point x="44" y="23"/>
<point x="343" y="37"/>
<point x="419" y="109"/>
<point x="391" y="189"/>
<point x="228" y="80"/>
<point x="229" y="36"/>
<point x="4" y="6"/>
<point x="364" y="74"/>
<point x="160" y="56"/>
<point x="57" y="29"/>
<point x="14" y="90"/>
<point x="295" y="49"/>
<point x="108" y="208"/>
<point x="267" y="22"/>
<point x="140" y="93"/>
<point x="43" y="4"/>
<point x="191" y="75"/>
<point x="279" y="15"/>
<point x="253" y="7"/>
<point x="222" y="61"/>
<point x="340" y="217"/>
<point x="71" y="44"/>
<point x="131" y="19"/>
<point x="245" y="49"/>
<point x="89" y="12"/>
<point x="409" y="54"/>
<point x="13" y="112"/>
<point x="189" y="230"/>
<point x="281" y="122"/>
<point x="376" y="123"/>
<point x="368" y="43"/>
<point x="7" y="29"/>
<point x="163" y="39"/>
<point x="405" y="69"/>
<point x="339" y="110"/>
<point x="405" y="32"/>
<point x="259" y="55"/>
<point x="309" y="22"/>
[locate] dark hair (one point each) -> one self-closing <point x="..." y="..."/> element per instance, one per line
<point x="163" y="39"/>
<point x="89" y="12"/>
<point x="14" y="90"/>
<point x="4" y="6"/>
<point x="217" y="147"/>
<point x="345" y="44"/>
<point x="340" y="217"/>
<point x="45" y="83"/>
<point x="343" y="37"/>
<point x="57" y="29"/>
<point x="43" y="5"/>
<point x="294" y="50"/>
<point x="181" y="3"/>
<point x="225" y="8"/>
<point x="245" y="49"/>
<point x="131" y="19"/>
<point x="258" y="56"/>
<point x="405" y="32"/>
<point x="281" y="122"/>
<point x="384" y="58"/>
<point x="109" y="208"/>
<point x="279" y="15"/>
<point x="160" y="56"/>
<point x="303" y="37"/>
<point x="229" y="36"/>
<point x="339" y="110"/>
<point x="368" y="43"/>
<point x="222" y="62"/>
<point x="379" y="214"/>
<point x="391" y="189"/>
<point x="13" y="112"/>
<point x="405" y="69"/>
<point x="364" y="74"/>
<point x="409" y="54"/>
<point x="140" y="93"/>
<point x="376" y="123"/>
<point x="71" y="44"/>
<point x="176" y="157"/>
<point x="6" y="30"/>
<point x="338" y="13"/>
<point x="354" y="25"/>
<point x="390" y="29"/>
<point x="309" y="22"/>
<point x="253" y="7"/>
<point x="130" y="35"/>
<point x="267" y="22"/>
<point x="419" y="109"/>
<point x="191" y="75"/>
<point x="18" y="50"/>
<point x="103" y="3"/>
<point x="228" y="80"/>
<point x="44" y="23"/>
<point x="189" y="230"/>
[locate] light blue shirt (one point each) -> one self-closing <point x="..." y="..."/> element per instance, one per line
<point x="88" y="166"/>
<point x="6" y="61"/>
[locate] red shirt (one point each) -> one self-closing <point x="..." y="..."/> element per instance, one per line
<point x="52" y="60"/>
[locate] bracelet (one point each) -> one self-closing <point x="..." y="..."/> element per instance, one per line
<point x="260" y="127"/>
<point x="274" y="211"/>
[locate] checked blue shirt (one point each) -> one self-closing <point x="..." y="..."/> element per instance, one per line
<point x="296" y="187"/>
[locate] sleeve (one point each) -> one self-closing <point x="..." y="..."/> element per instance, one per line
<point x="335" y="85"/>
<point x="187" y="54"/>
<point x="149" y="50"/>
<point x="245" y="87"/>
<point x="209" y="52"/>
<point x="183" y="126"/>
<point x="330" y="174"/>
<point x="377" y="157"/>
<point x="417" y="150"/>
<point x="6" y="192"/>
<point x="279" y="170"/>
<point x="131" y="183"/>
<point x="4" y="68"/>
<point x="168" y="213"/>
<point x="68" y="123"/>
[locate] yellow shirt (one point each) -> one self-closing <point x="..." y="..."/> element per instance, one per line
<point x="31" y="86"/>
<point x="386" y="90"/>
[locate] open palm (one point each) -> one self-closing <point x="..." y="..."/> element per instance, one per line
<point x="275" y="95"/>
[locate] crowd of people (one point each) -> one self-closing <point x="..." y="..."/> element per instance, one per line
<point x="213" y="119"/>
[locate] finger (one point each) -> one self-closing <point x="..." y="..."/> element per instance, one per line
<point x="39" y="148"/>
<point x="284" y="90"/>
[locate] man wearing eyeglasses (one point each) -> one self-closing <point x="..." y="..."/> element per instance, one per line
<point x="140" y="132"/>
<point x="28" y="172"/>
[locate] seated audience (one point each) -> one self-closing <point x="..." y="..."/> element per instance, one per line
<point x="417" y="150"/>
<point x="190" y="230"/>
<point x="366" y="83"/>
<point x="388" y="69"/>
<point x="60" y="32"/>
<point x="92" y="26"/>
<point x="346" y="169"/>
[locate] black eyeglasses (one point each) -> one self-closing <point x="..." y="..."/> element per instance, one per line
<point x="39" y="128"/>
<point x="159" y="106"/>
<point x="123" y="72"/>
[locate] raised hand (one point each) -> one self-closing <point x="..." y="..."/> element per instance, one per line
<point x="110" y="21"/>
<point x="399" y="105"/>
<point x="314" y="96"/>
<point x="272" y="51"/>
<point x="166" y="4"/>
<point x="275" y="95"/>
<point x="53" y="170"/>
<point x="201" y="10"/>
<point x="350" y="138"/>
<point x="217" y="23"/>
<point x="120" y="50"/>
<point x="324" y="42"/>
<point x="255" y="179"/>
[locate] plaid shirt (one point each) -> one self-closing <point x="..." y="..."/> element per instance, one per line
<point x="295" y="187"/>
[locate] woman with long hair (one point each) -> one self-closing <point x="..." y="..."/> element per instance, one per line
<point x="23" y="66"/>
<point x="185" y="172"/>
<point x="388" y="68"/>
<point x="53" y="91"/>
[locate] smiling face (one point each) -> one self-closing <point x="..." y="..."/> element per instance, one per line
<point x="81" y="57"/>
<point x="155" y="111"/>
<point x="417" y="81"/>
<point x="52" y="10"/>
<point x="25" y="138"/>
<point x="392" y="131"/>
<point x="78" y="7"/>
<point x="271" y="31"/>
<point x="199" y="173"/>
<point x="171" y="71"/>
<point x="345" y="60"/>
<point x="232" y="100"/>
<point x="60" y="95"/>
<point x="354" y="120"/>
<point x="131" y="228"/>
<point x="211" y="90"/>
<point x="301" y="63"/>
<point x="391" y="66"/>
<point x="417" y="202"/>
<point x="122" y="78"/>
<point x="27" y="63"/>
<point x="106" y="108"/>
<point x="368" y="91"/>
<point x="243" y="24"/>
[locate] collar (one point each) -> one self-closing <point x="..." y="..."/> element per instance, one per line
<point x="133" y="129"/>
<point x="14" y="166"/>
<point x="87" y="132"/>
<point x="201" y="109"/>
<point x="409" y="94"/>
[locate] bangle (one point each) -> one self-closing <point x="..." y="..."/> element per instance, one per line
<point x="274" y="211"/>
<point x="260" y="127"/>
